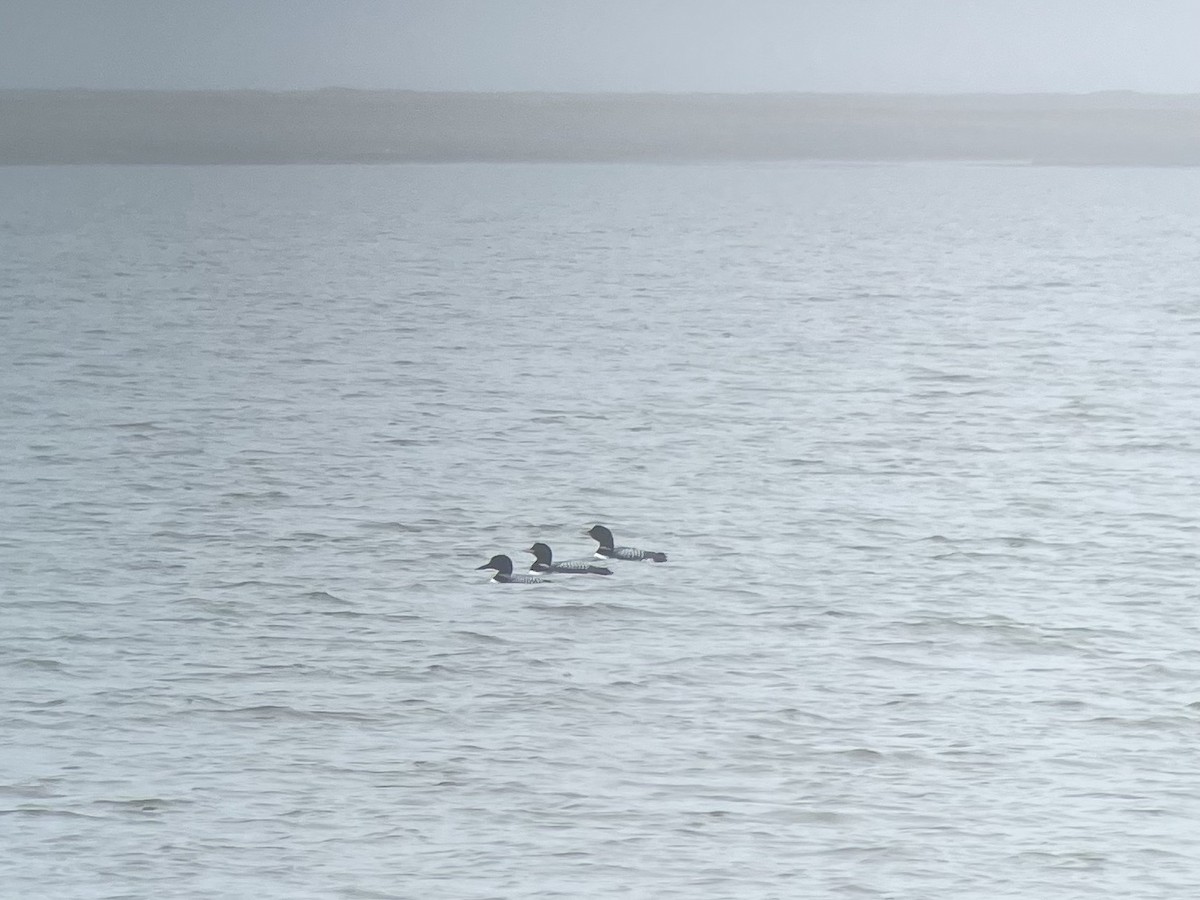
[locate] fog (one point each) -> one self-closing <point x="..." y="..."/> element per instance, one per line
<point x="1059" y="81"/>
<point x="849" y="46"/>
<point x="402" y="126"/>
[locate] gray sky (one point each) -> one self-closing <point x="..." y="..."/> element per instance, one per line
<point x="941" y="46"/>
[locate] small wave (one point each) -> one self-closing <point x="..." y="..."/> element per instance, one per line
<point x="586" y="609"/>
<point x="146" y="804"/>
<point x="1153" y="723"/>
<point x="137" y="426"/>
<point x="38" y="704"/>
<point x="482" y="638"/>
<point x="804" y="461"/>
<point x="402" y="527"/>
<point x="255" y="495"/>
<point x="893" y="662"/>
<point x="37" y="811"/>
<point x="340" y="613"/>
<point x="355" y="893"/>
<point x="36" y="664"/>
<point x="326" y="597"/>
<point x="973" y="555"/>
<point x="923" y="374"/>
<point x="861" y="754"/>
<point x="271" y="711"/>
<point x="251" y="582"/>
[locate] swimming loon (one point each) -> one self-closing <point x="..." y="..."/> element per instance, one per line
<point x="606" y="550"/>
<point x="545" y="563"/>
<point x="504" y="574"/>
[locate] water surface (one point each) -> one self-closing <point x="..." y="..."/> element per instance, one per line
<point x="921" y="442"/>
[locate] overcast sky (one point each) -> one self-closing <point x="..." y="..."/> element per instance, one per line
<point x="940" y="46"/>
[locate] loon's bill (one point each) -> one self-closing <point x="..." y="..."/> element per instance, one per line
<point x="504" y="571"/>
<point x="544" y="562"/>
<point x="606" y="550"/>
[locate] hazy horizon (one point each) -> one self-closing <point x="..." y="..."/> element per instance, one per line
<point x="916" y="47"/>
<point x="890" y="95"/>
<point x="397" y="126"/>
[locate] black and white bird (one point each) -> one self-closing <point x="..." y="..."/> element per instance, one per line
<point x="504" y="571"/>
<point x="544" y="562"/>
<point x="606" y="550"/>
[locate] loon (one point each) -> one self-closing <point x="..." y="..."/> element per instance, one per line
<point x="606" y="550"/>
<point x="544" y="563"/>
<point x="504" y="574"/>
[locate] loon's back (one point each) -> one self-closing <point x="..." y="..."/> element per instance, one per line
<point x="504" y="571"/>
<point x="607" y="550"/>
<point x="544" y="562"/>
<point x="630" y="553"/>
<point x="518" y="579"/>
<point x="576" y="567"/>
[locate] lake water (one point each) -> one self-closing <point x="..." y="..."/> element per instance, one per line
<point x="922" y="443"/>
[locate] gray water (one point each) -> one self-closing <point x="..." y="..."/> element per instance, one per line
<point x="921" y="442"/>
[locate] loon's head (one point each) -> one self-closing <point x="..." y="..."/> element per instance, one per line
<point x="500" y="563"/>
<point x="541" y="553"/>
<point x="601" y="535"/>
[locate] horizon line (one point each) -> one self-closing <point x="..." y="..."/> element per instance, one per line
<point x="596" y="93"/>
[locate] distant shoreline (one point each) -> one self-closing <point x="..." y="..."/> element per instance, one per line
<point x="66" y="127"/>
